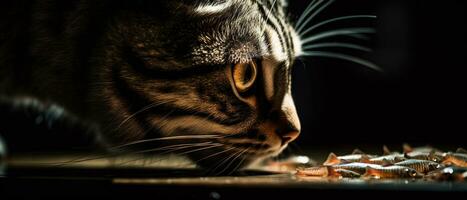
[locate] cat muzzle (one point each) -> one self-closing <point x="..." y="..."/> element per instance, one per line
<point x="280" y="130"/>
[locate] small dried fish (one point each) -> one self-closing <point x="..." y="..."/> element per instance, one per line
<point x="420" y="162"/>
<point x="431" y="156"/>
<point x="448" y="174"/>
<point x="321" y="171"/>
<point x="391" y="172"/>
<point x="333" y="159"/>
<point x="461" y="150"/>
<point x="386" y="151"/>
<point x="422" y="166"/>
<point x="386" y="160"/>
<point x="356" y="167"/>
<point x="457" y="159"/>
<point x="346" y="173"/>
<point x="425" y="149"/>
<point x="327" y="171"/>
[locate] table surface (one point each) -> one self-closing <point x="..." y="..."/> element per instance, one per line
<point x="174" y="177"/>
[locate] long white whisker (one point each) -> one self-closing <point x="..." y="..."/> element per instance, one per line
<point x="268" y="15"/>
<point x="300" y="28"/>
<point x="345" y="31"/>
<point x="225" y="161"/>
<point x="201" y="149"/>
<point x="335" y="20"/>
<point x="233" y="160"/>
<point x="174" y="148"/>
<point x="336" y="44"/>
<point x="89" y="158"/>
<point x="221" y="162"/>
<point x="79" y="159"/>
<point x="358" y="36"/>
<point x="152" y="105"/>
<point x="241" y="161"/>
<point x="238" y="165"/>
<point x="215" y="154"/>
<point x="180" y="137"/>
<point x="177" y="146"/>
<point x="136" y="113"/>
<point x="191" y="151"/>
<point x="343" y="57"/>
<point x="307" y="11"/>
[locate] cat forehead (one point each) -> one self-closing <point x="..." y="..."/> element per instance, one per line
<point x="240" y="33"/>
<point x="236" y="41"/>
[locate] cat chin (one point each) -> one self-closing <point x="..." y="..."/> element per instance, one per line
<point x="221" y="165"/>
<point x="216" y="166"/>
<point x="260" y="159"/>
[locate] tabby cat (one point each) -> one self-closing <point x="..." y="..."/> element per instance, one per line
<point x="207" y="78"/>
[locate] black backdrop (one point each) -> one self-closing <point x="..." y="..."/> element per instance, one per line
<point x="419" y="98"/>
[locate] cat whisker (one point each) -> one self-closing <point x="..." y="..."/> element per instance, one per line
<point x="170" y="138"/>
<point x="307" y="11"/>
<point x="150" y="106"/>
<point x="174" y="148"/>
<point x="238" y="155"/>
<point x="343" y="57"/>
<point x="163" y="119"/>
<point x="223" y="161"/>
<point x="215" y="154"/>
<point x="268" y="15"/>
<point x="335" y="20"/>
<point x="337" y="32"/>
<point x="178" y="146"/>
<point x="241" y="161"/>
<point x="104" y="156"/>
<point x="336" y="44"/>
<point x="191" y="151"/>
<point x="359" y="36"/>
<point x="302" y="26"/>
<point x="201" y="149"/>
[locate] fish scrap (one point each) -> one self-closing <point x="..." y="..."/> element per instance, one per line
<point x="420" y="162"/>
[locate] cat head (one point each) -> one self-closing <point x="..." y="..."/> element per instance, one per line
<point x="213" y="77"/>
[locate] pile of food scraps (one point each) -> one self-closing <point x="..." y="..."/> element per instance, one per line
<point x="421" y="162"/>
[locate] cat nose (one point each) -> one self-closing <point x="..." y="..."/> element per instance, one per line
<point x="286" y="128"/>
<point x="283" y="122"/>
<point x="287" y="119"/>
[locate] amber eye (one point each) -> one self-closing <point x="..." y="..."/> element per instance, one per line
<point x="244" y="76"/>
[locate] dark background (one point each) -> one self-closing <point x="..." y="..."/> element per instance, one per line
<point x="419" y="98"/>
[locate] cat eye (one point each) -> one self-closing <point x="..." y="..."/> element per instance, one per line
<point x="244" y="76"/>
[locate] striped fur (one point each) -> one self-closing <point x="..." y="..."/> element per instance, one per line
<point x="154" y="69"/>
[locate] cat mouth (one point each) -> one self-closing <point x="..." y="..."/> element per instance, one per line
<point x="261" y="147"/>
<point x="229" y="158"/>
